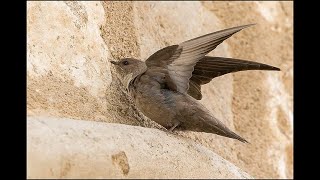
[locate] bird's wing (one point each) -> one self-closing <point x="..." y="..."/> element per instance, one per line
<point x="179" y="60"/>
<point x="208" y="68"/>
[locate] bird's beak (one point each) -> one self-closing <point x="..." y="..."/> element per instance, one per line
<point x="114" y="62"/>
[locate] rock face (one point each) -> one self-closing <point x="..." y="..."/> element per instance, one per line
<point x="69" y="45"/>
<point x="65" y="148"/>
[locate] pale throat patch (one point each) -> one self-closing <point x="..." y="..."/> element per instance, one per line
<point x="127" y="80"/>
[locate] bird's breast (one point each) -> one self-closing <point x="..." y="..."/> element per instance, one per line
<point x="153" y="100"/>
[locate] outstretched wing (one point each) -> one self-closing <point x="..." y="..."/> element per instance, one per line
<point x="210" y="67"/>
<point x="179" y="60"/>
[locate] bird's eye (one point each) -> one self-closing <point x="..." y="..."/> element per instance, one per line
<point x="125" y="62"/>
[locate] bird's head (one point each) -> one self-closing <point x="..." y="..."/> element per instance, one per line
<point x="128" y="69"/>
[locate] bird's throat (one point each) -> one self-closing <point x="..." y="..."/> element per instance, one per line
<point x="127" y="79"/>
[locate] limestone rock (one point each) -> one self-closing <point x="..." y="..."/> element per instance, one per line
<point x="69" y="45"/>
<point x="66" y="148"/>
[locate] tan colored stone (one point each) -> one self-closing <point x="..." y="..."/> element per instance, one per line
<point x="262" y="102"/>
<point x="68" y="72"/>
<point x="66" y="148"/>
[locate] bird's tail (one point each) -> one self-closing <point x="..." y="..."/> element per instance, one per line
<point x="199" y="119"/>
<point x="215" y="126"/>
<point x="233" y="135"/>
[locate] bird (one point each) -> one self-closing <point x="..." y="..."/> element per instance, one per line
<point x="166" y="87"/>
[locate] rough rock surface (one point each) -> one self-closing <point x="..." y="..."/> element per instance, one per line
<point x="69" y="45"/>
<point x="65" y="148"/>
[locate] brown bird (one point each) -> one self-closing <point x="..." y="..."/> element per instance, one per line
<point x="167" y="85"/>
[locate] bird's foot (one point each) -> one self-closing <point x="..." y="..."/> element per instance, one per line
<point x="174" y="126"/>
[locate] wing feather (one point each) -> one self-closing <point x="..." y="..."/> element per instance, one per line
<point x="180" y="60"/>
<point x="210" y="67"/>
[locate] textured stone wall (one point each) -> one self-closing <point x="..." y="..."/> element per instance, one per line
<point x="65" y="148"/>
<point x="69" y="45"/>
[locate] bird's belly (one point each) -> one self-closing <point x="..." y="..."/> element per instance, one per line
<point x="158" y="105"/>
